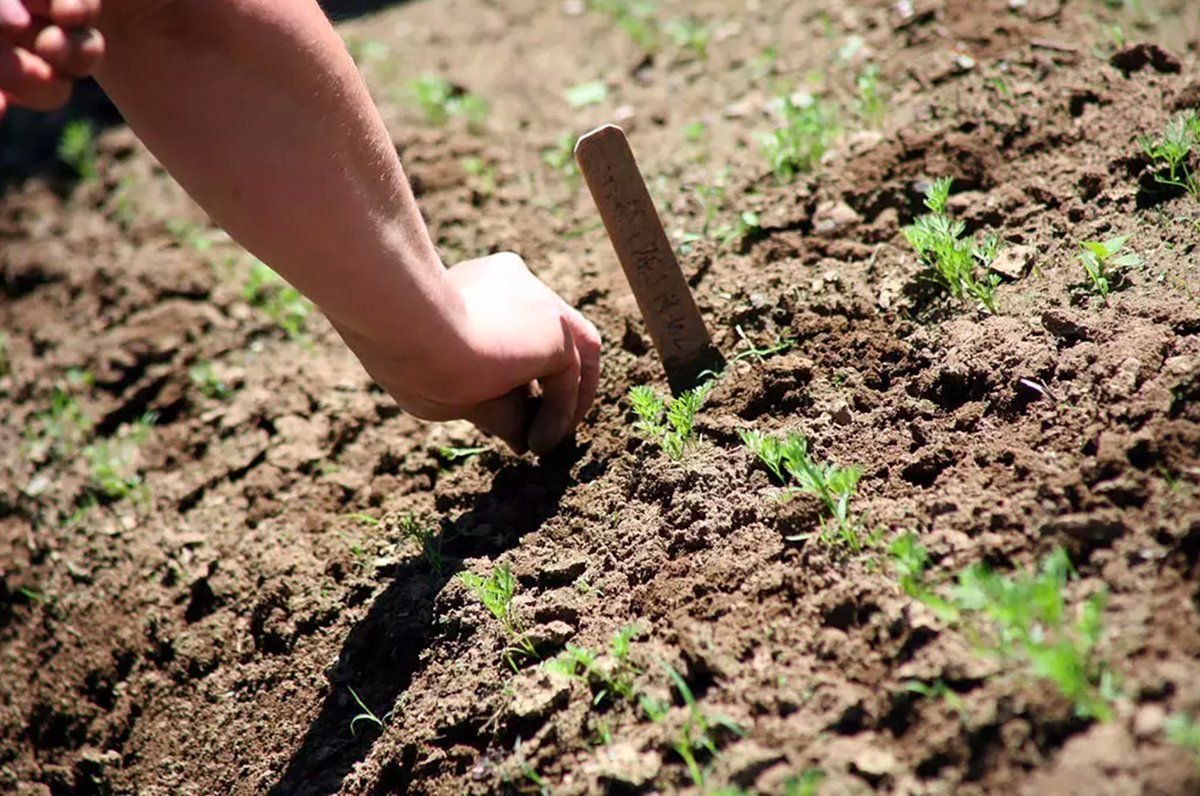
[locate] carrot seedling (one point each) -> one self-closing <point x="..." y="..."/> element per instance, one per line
<point x="367" y="714"/>
<point x="671" y="422"/>
<point x="954" y="262"/>
<point x="1184" y="731"/>
<point x="799" y="143"/>
<point x="496" y="592"/>
<point x="205" y="379"/>
<point x="1100" y="259"/>
<point x="281" y="302"/>
<point x="440" y="101"/>
<point x="77" y="148"/>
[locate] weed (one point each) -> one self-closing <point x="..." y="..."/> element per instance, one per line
<point x="669" y="421"/>
<point x="952" y="260"/>
<point x="609" y="679"/>
<point x="496" y="592"/>
<point x="561" y="156"/>
<point x="806" y="783"/>
<point x="698" y="733"/>
<point x="205" y="378"/>
<point x="440" y="101"/>
<point x="452" y="455"/>
<point x="367" y="714"/>
<point x="691" y="34"/>
<point x="414" y="529"/>
<point x="760" y="353"/>
<point x="281" y="302"/>
<point x="797" y="146"/>
<point x="1170" y="152"/>
<point x="77" y="148"/>
<point x="1184" y="731"/>
<point x="584" y="94"/>
<point x="111" y="471"/>
<point x="870" y="102"/>
<point x="1100" y="257"/>
<point x="790" y="462"/>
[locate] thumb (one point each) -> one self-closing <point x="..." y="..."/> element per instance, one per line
<point x="507" y="417"/>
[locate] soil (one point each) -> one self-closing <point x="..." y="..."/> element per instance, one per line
<point x="203" y="634"/>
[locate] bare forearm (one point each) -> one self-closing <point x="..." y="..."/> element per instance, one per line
<point x="258" y="111"/>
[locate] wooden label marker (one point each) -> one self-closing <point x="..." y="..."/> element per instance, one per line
<point x="646" y="256"/>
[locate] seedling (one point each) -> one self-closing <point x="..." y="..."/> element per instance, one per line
<point x="689" y="33"/>
<point x="60" y="430"/>
<point x="798" y="145"/>
<point x="111" y="461"/>
<point x="669" y="421"/>
<point x="806" y="783"/>
<point x="760" y="353"/>
<point x="427" y="537"/>
<point x="635" y="18"/>
<point x="1170" y="152"/>
<point x="365" y="51"/>
<point x="281" y="302"/>
<point x="938" y="690"/>
<point x="367" y="714"/>
<point x="791" y="464"/>
<point x="584" y="94"/>
<point x="698" y="731"/>
<point x="452" y="455"/>
<point x="561" y="156"/>
<point x="77" y="148"/>
<point x="1183" y="730"/>
<point x="610" y="679"/>
<point x="205" y="378"/>
<point x="871" y="105"/>
<point x="1099" y="258"/>
<point x="496" y="592"/>
<point x="190" y="234"/>
<point x="954" y="262"/>
<point x="1024" y="619"/>
<point x="441" y="101"/>
<point x="483" y="175"/>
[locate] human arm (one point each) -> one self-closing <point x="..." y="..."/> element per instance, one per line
<point x="256" y="108"/>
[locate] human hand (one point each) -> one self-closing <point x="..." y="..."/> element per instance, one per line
<point x="515" y="331"/>
<point x="44" y="46"/>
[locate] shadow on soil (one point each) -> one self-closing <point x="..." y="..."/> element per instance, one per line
<point x="382" y="652"/>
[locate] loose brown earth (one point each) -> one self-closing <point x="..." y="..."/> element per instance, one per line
<point x="203" y="638"/>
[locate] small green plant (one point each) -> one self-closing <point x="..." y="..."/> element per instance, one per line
<point x="496" y="592"/>
<point x="759" y="353"/>
<point x="635" y="18"/>
<point x="188" y="234"/>
<point x="806" y="783"/>
<point x="790" y="462"/>
<point x="440" y="101"/>
<point x="610" y="679"/>
<point x="111" y="471"/>
<point x="425" y="535"/>
<point x="699" y="731"/>
<point x="1170" y="152"/>
<point x="871" y="104"/>
<point x="669" y="421"/>
<point x="561" y="156"/>
<point x="1100" y="257"/>
<point x="482" y="173"/>
<point x="281" y="302"/>
<point x="1024" y="619"/>
<point x="938" y="690"/>
<point x="799" y="143"/>
<point x="77" y="148"/>
<point x="954" y="262"/>
<point x="60" y="430"/>
<point x="365" y="51"/>
<point x="689" y="33"/>
<point x="1184" y="731"/>
<point x="453" y="455"/>
<point x="204" y="377"/>
<point x="367" y="714"/>
<point x="591" y="93"/>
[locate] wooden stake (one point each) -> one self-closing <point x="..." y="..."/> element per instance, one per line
<point x="646" y="256"/>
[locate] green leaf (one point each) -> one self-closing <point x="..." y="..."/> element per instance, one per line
<point x="585" y="94"/>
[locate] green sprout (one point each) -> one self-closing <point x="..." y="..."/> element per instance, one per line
<point x="483" y="175"/>
<point x="938" y="690"/>
<point x="281" y="302"/>
<point x="689" y="33"/>
<point x="698" y="734"/>
<point x="77" y="148"/>
<point x="870" y="102"/>
<point x="60" y="430"/>
<point x="414" y="529"/>
<point x="204" y="377"/>
<point x="801" y="141"/>
<point x="806" y="783"/>
<point x="953" y="261"/>
<point x="112" y="475"/>
<point x="561" y="156"/>
<point x="496" y="592"/>
<point x="1099" y="257"/>
<point x="1170" y="152"/>
<point x="367" y="714"/>
<point x="711" y="199"/>
<point x="669" y="421"/>
<point x="453" y="455"/>
<point x="1184" y="731"/>
<point x="1024" y="619"/>
<point x="759" y="353"/>
<point x="609" y="679"/>
<point x="440" y="101"/>
<point x="635" y="18"/>
<point x="584" y="94"/>
<point x="791" y="464"/>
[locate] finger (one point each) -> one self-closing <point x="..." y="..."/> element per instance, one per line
<point x="587" y="342"/>
<point x="560" y="394"/>
<point x="66" y="13"/>
<point x="72" y="53"/>
<point x="3" y="104"/>
<point x="29" y="81"/>
<point x="505" y="417"/>
<point x="14" y="16"/>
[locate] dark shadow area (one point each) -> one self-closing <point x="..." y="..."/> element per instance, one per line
<point x="382" y="652"/>
<point x="29" y="141"/>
